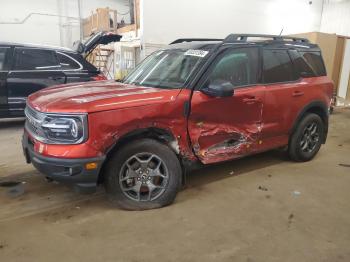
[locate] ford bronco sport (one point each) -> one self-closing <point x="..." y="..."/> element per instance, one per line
<point x="198" y="101"/>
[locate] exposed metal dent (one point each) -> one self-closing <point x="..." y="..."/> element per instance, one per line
<point x="228" y="144"/>
<point x="226" y="128"/>
<point x="222" y="142"/>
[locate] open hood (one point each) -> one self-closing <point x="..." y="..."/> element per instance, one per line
<point x="100" y="38"/>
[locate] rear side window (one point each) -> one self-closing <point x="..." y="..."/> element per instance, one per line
<point x="277" y="67"/>
<point x="315" y="61"/>
<point x="300" y="64"/>
<point x="3" y="52"/>
<point x="237" y="66"/>
<point x="35" y="59"/>
<point x="67" y="62"/>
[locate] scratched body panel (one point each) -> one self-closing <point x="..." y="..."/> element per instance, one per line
<point x="110" y="126"/>
<point x="226" y="128"/>
<point x="115" y="110"/>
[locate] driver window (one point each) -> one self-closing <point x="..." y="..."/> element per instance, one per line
<point x="238" y="66"/>
<point x="3" y="58"/>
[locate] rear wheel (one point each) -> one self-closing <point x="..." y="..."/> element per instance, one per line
<point x="144" y="174"/>
<point x="306" y="141"/>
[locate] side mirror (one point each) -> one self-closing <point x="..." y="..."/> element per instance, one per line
<point x="218" y="88"/>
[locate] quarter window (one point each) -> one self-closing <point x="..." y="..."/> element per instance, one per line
<point x="237" y="66"/>
<point x="277" y="67"/>
<point x="315" y="61"/>
<point x="35" y="59"/>
<point x="300" y="64"/>
<point x="66" y="62"/>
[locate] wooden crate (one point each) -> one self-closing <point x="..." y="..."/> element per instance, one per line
<point x="103" y="19"/>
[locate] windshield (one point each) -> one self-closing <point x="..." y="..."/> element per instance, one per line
<point x="166" y="69"/>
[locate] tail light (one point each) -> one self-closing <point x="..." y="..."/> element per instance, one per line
<point x="98" y="77"/>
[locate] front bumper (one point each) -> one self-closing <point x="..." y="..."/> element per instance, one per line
<point x="69" y="171"/>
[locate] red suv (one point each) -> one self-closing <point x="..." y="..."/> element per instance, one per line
<point x="198" y="101"/>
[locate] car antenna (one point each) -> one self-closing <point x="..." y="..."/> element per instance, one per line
<point x="281" y="31"/>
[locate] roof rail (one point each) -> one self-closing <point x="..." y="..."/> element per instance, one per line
<point x="181" y="40"/>
<point x="243" y="37"/>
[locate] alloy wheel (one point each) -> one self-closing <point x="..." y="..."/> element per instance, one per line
<point x="143" y="177"/>
<point x="310" y="137"/>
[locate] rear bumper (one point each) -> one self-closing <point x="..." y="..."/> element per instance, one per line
<point x="68" y="171"/>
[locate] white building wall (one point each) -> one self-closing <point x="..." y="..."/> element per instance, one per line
<point x="336" y="17"/>
<point x="166" y="20"/>
<point x="46" y="29"/>
<point x="37" y="29"/>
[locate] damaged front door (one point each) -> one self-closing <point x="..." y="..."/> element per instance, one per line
<point x="221" y="127"/>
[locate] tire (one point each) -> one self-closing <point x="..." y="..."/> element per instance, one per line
<point x="306" y="141"/>
<point x="144" y="174"/>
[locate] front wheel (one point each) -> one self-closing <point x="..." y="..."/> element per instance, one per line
<point x="306" y="141"/>
<point x="144" y="174"/>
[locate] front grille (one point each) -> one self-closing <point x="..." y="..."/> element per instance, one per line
<point x="31" y="112"/>
<point x="33" y="123"/>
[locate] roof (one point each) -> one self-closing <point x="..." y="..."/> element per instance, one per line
<point x="29" y="45"/>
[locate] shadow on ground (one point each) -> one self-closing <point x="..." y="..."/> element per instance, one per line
<point x="11" y="123"/>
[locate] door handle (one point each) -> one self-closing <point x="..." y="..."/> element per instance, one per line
<point x="56" y="78"/>
<point x="298" y="93"/>
<point x="250" y="100"/>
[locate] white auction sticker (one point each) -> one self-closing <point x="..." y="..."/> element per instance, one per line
<point x="199" y="53"/>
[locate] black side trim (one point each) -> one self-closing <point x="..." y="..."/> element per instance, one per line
<point x="186" y="108"/>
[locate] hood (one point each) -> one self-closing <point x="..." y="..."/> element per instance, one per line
<point x="97" y="96"/>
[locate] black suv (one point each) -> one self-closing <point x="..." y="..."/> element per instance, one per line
<point x="26" y="68"/>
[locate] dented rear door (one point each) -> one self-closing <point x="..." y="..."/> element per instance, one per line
<point x="228" y="127"/>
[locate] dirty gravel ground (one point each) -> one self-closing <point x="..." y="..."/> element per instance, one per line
<point x="267" y="209"/>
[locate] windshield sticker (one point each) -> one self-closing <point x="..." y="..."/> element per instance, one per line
<point x="199" y="53"/>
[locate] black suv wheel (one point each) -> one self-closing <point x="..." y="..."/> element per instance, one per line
<point x="144" y="174"/>
<point x="306" y="141"/>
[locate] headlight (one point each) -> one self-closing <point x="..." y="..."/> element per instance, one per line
<point x="56" y="128"/>
<point x="63" y="129"/>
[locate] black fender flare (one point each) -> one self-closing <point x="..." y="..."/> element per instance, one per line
<point x="317" y="107"/>
<point x="159" y="134"/>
